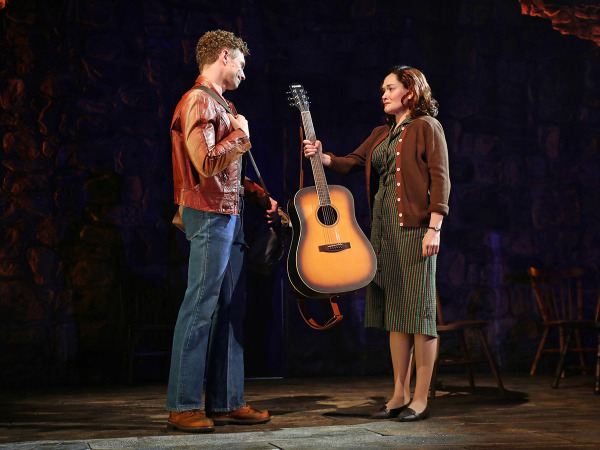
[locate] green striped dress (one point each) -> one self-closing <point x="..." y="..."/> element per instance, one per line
<point x="401" y="297"/>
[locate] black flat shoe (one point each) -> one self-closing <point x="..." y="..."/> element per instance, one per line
<point x="385" y="413"/>
<point x="409" y="415"/>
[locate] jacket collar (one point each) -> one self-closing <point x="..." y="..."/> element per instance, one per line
<point x="203" y="81"/>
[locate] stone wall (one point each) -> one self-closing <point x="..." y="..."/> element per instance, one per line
<point x="87" y="90"/>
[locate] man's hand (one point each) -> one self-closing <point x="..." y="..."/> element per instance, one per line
<point x="272" y="214"/>
<point x="239" y="122"/>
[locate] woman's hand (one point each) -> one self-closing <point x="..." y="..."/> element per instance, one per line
<point x="310" y="149"/>
<point x="431" y="243"/>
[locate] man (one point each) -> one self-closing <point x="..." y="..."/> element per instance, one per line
<point x="209" y="146"/>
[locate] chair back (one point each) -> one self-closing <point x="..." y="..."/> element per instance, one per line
<point x="558" y="293"/>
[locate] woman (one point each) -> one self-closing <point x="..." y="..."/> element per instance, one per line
<point x="406" y="163"/>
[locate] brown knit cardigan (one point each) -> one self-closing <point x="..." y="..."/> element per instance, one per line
<point x="424" y="181"/>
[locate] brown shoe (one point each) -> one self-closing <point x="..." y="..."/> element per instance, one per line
<point x="193" y="421"/>
<point x="242" y="416"/>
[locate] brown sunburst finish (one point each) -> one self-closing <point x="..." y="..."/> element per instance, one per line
<point x="317" y="273"/>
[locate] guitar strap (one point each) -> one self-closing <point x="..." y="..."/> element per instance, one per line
<point x="301" y="299"/>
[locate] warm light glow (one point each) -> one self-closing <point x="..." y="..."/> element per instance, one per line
<point x="581" y="19"/>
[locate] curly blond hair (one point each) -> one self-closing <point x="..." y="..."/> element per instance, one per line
<point x="212" y="43"/>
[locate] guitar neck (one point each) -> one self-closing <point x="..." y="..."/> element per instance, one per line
<point x="315" y="161"/>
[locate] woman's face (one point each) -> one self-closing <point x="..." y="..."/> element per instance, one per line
<point x="392" y="92"/>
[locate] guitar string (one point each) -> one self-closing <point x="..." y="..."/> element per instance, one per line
<point x="331" y="232"/>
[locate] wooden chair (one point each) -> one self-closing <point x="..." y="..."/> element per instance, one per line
<point x="593" y="325"/>
<point x="460" y="327"/>
<point x="558" y="294"/>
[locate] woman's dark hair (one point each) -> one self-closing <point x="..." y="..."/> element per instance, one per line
<point x="422" y="103"/>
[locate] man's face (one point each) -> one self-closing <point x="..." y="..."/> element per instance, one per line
<point x="234" y="69"/>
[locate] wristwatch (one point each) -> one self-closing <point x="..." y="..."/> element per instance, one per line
<point x="435" y="228"/>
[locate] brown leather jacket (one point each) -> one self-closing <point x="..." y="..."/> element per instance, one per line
<point x="208" y="154"/>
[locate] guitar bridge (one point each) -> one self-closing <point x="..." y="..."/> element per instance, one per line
<point x="333" y="248"/>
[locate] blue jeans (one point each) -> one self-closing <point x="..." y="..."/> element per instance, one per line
<point x="208" y="334"/>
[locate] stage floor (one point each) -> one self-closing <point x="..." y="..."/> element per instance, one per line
<point x="313" y="413"/>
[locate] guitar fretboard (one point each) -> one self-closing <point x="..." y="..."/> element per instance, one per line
<point x="315" y="161"/>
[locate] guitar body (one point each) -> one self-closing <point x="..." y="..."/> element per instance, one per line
<point x="329" y="253"/>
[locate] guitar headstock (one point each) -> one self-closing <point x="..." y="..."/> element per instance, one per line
<point x="298" y="97"/>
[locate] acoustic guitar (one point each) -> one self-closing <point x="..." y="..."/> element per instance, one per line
<point x="329" y="253"/>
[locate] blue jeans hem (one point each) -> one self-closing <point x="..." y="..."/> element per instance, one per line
<point x="184" y="408"/>
<point x="226" y="410"/>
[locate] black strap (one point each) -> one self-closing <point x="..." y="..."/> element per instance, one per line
<point x="217" y="97"/>
<point x="220" y="100"/>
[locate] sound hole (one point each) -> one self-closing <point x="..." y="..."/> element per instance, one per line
<point x="327" y="215"/>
